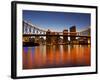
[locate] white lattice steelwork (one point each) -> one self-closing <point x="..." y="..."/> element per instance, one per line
<point x="29" y="28"/>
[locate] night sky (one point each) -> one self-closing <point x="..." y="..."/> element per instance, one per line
<point x="57" y="21"/>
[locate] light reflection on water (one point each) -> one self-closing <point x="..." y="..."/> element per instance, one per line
<point x="56" y="56"/>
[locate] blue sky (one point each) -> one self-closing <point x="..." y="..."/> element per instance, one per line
<point x="57" y="21"/>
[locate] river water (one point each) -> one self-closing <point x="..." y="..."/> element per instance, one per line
<point x="54" y="56"/>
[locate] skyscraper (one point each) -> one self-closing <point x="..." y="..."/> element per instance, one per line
<point x="48" y="37"/>
<point x="72" y="30"/>
<point x="65" y="36"/>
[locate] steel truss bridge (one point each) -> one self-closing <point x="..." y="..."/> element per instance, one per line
<point x="32" y="30"/>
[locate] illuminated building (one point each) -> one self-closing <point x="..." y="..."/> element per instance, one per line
<point x="65" y="37"/>
<point x="73" y="29"/>
<point x="48" y="37"/>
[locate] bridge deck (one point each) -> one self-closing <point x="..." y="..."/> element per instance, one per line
<point x="56" y="35"/>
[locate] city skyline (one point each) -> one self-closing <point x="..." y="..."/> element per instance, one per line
<point x="57" y="21"/>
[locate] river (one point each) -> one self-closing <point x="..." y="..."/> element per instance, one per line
<point x="54" y="56"/>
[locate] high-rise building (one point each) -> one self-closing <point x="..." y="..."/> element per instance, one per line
<point x="65" y="36"/>
<point x="72" y="30"/>
<point x="48" y="37"/>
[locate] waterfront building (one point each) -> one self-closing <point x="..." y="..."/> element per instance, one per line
<point x="72" y="34"/>
<point x="48" y="37"/>
<point x="65" y="37"/>
<point x="55" y="38"/>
